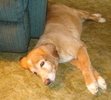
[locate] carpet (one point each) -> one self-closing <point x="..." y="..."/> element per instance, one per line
<point x="17" y="83"/>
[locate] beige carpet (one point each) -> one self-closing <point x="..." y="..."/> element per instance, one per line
<point x="17" y="83"/>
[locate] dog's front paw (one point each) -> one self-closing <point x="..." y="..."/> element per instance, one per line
<point x="93" y="88"/>
<point x="102" y="83"/>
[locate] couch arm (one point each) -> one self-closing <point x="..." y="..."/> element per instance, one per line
<point x="37" y="15"/>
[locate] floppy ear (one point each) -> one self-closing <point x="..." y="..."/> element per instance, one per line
<point x="23" y="63"/>
<point x="51" y="49"/>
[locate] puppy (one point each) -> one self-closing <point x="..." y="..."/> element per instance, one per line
<point x="61" y="43"/>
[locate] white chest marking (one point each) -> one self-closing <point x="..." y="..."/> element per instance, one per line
<point x="65" y="58"/>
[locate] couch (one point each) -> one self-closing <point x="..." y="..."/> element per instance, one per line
<point x="20" y="20"/>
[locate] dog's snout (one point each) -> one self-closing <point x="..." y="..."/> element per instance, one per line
<point x="47" y="82"/>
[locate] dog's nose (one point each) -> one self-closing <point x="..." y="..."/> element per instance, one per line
<point x="47" y="82"/>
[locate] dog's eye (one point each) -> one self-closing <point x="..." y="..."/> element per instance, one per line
<point x="42" y="63"/>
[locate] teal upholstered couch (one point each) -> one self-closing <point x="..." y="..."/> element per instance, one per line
<point x="20" y="20"/>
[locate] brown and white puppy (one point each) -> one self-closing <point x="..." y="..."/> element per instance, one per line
<point x="61" y="43"/>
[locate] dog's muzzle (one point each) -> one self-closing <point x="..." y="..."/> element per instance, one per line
<point x="48" y="82"/>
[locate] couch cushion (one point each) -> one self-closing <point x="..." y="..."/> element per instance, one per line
<point x="12" y="10"/>
<point x="15" y="36"/>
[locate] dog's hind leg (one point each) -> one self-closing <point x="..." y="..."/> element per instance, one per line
<point x="83" y="15"/>
<point x="84" y="64"/>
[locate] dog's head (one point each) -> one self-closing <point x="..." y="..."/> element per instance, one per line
<point x="43" y="61"/>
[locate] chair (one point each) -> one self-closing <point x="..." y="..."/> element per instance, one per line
<point x="20" y="20"/>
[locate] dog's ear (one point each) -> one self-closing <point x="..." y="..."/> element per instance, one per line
<point x="23" y="62"/>
<point x="51" y="49"/>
